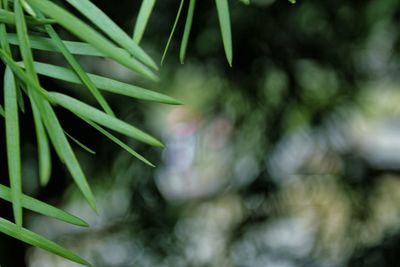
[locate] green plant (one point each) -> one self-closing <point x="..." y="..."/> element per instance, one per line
<point x="28" y="25"/>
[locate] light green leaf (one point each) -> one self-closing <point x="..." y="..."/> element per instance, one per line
<point x="186" y="33"/>
<point x="103" y="22"/>
<point x="178" y="14"/>
<point x="89" y="35"/>
<point x="13" y="144"/>
<point x="225" y="25"/>
<point x="28" y="9"/>
<point x="42" y="208"/>
<point x="106" y="84"/>
<point x="96" y="115"/>
<point x="118" y="142"/>
<point x="142" y="19"/>
<point x="2" y="111"/>
<point x="36" y="240"/>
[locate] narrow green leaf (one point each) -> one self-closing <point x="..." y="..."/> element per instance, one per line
<point x="246" y="2"/>
<point x="43" y="208"/>
<point x="186" y="33"/>
<point x="36" y="240"/>
<point x="172" y="31"/>
<point x="28" y="9"/>
<point x="8" y="17"/>
<point x="43" y="147"/>
<point x="63" y="148"/>
<point x="103" y="22"/>
<point x="22" y="33"/>
<point x="96" y="115"/>
<point x="46" y="44"/>
<point x="118" y="142"/>
<point x="106" y="84"/>
<point x="78" y="70"/>
<point x="142" y="19"/>
<point x="91" y="151"/>
<point x="225" y="25"/>
<point x="13" y="144"/>
<point x="86" y="33"/>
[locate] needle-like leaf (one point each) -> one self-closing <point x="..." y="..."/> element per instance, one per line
<point x="118" y="142"/>
<point x="225" y="25"/>
<point x="42" y="208"/>
<point x="103" y="22"/>
<point x="84" y="147"/>
<point x="186" y="32"/>
<point x="89" y="35"/>
<point x="36" y="240"/>
<point x="142" y="19"/>
<point x="13" y="144"/>
<point x="106" y="84"/>
<point x="178" y="15"/>
<point x="96" y="115"/>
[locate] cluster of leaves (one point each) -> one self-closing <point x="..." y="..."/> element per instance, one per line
<point x="28" y="25"/>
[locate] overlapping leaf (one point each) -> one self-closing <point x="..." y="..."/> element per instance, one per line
<point x="103" y="22"/>
<point x="97" y="116"/>
<point x="89" y="35"/>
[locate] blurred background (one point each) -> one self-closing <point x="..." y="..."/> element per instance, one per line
<point x="290" y="158"/>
